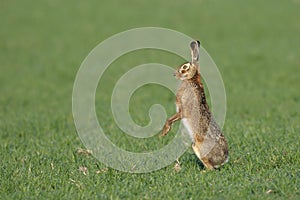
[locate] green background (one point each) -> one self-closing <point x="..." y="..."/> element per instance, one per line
<point x="255" y="45"/>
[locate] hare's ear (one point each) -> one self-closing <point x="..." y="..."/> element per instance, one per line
<point x="195" y="45"/>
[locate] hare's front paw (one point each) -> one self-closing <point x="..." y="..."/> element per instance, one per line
<point x="165" y="130"/>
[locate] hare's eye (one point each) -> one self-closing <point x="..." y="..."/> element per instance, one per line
<point x="185" y="67"/>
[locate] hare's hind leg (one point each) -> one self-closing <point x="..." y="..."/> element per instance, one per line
<point x="207" y="163"/>
<point x="204" y="160"/>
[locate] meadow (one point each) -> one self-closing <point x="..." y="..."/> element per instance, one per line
<point x="255" y="45"/>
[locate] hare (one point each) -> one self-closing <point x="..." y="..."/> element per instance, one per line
<point x="209" y="143"/>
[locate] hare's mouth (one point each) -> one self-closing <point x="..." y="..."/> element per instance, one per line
<point x="177" y="75"/>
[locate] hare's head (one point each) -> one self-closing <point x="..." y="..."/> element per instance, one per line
<point x="186" y="71"/>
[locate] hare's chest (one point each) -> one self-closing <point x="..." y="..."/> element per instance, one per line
<point x="185" y="93"/>
<point x="188" y="127"/>
<point x="189" y="102"/>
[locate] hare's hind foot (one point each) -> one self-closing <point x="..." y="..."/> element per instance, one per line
<point x="204" y="160"/>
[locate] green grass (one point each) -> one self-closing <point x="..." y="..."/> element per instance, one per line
<point x="255" y="45"/>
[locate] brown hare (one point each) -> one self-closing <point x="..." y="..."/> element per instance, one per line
<point x="209" y="143"/>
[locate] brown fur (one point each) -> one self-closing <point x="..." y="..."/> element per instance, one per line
<point x="209" y="143"/>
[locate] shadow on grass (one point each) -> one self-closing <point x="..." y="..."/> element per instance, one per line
<point x="199" y="163"/>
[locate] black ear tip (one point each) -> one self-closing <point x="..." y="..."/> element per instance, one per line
<point x="194" y="43"/>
